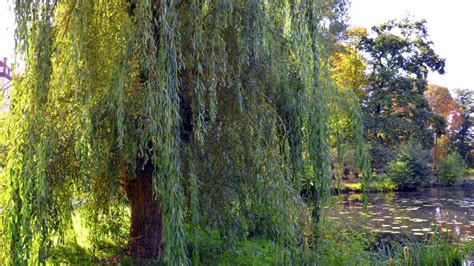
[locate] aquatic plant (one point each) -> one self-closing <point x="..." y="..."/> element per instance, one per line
<point x="436" y="250"/>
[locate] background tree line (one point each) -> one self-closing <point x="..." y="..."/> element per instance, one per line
<point x="410" y="126"/>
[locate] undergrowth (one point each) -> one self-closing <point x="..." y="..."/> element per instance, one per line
<point x="337" y="244"/>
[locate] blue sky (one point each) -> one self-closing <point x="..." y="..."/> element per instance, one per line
<point x="450" y="24"/>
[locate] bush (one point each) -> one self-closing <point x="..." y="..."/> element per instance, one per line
<point x="451" y="168"/>
<point x="411" y="169"/>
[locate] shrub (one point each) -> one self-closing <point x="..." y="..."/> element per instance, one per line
<point x="451" y="168"/>
<point x="411" y="168"/>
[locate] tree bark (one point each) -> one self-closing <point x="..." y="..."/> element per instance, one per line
<point x="146" y="229"/>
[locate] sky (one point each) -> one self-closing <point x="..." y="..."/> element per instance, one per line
<point x="7" y="28"/>
<point x="450" y="25"/>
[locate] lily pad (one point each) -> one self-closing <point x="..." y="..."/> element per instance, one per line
<point x="418" y="220"/>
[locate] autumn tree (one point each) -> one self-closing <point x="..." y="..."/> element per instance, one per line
<point x="348" y="65"/>
<point x="444" y="105"/>
<point x="347" y="72"/>
<point x="213" y="114"/>
<point x="442" y="102"/>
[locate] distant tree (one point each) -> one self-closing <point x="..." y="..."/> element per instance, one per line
<point x="438" y="127"/>
<point x="442" y="102"/>
<point x="463" y="137"/>
<point x="399" y="56"/>
<point x="347" y="74"/>
<point x="348" y="65"/>
<point x="441" y="149"/>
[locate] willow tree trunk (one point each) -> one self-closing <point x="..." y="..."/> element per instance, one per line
<point x="146" y="229"/>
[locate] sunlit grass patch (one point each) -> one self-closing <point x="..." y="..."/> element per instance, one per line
<point x="81" y="245"/>
<point x="338" y="244"/>
<point x="373" y="186"/>
<point x="469" y="174"/>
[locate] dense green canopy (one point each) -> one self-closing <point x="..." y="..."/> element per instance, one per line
<point x="400" y="55"/>
<point x="463" y="136"/>
<point x="224" y="102"/>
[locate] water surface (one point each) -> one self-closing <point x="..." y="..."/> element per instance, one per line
<point x="419" y="213"/>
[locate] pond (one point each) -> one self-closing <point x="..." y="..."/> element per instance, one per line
<point x="419" y="213"/>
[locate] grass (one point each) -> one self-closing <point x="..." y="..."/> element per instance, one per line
<point x="78" y="250"/>
<point x="343" y="244"/>
<point x="469" y="175"/>
<point x="338" y="244"/>
<point x="438" y="250"/>
<point x="469" y="172"/>
<point x="384" y="185"/>
<point x="249" y="252"/>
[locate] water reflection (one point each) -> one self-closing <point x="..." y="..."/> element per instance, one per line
<point x="446" y="209"/>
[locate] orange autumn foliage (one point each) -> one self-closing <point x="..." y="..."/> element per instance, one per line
<point x="442" y="102"/>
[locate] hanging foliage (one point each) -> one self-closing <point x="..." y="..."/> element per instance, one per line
<point x="214" y="113"/>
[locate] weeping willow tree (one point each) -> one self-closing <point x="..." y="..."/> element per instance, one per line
<point x="213" y="114"/>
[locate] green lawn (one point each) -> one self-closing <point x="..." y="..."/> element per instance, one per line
<point x="469" y="175"/>
<point x="375" y="185"/>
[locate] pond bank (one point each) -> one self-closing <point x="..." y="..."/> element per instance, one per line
<point x="355" y="185"/>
